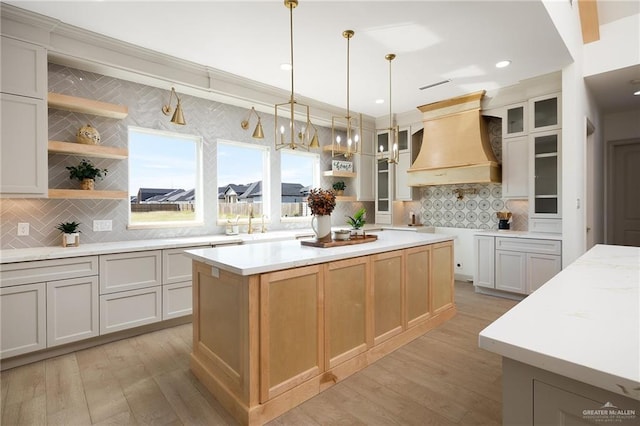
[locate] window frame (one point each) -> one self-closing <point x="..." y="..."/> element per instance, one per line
<point x="198" y="187"/>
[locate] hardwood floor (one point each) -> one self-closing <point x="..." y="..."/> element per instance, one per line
<point x="441" y="378"/>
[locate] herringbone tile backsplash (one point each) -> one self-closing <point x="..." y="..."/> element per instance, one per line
<point x="209" y="119"/>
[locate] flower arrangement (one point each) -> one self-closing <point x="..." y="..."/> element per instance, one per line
<point x="321" y="201"/>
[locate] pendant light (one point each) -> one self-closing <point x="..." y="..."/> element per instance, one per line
<point x="348" y="124"/>
<point x="393" y="155"/>
<point x="287" y="135"/>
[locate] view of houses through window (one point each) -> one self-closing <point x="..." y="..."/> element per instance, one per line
<point x="165" y="175"/>
<point x="243" y="180"/>
<point x="299" y="171"/>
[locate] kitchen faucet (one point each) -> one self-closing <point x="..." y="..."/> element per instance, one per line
<point x="250" y="230"/>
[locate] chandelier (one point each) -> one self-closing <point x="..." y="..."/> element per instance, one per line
<point x="351" y="125"/>
<point x="392" y="146"/>
<point x="287" y="133"/>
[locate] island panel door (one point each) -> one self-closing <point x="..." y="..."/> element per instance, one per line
<point x="346" y="309"/>
<point x="291" y="329"/>
<point x="417" y="284"/>
<point x="388" y="288"/>
<point x="441" y="277"/>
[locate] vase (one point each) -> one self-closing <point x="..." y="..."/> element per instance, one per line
<point x="87" y="184"/>
<point x="321" y="226"/>
<point x="71" y="240"/>
<point x="88" y="135"/>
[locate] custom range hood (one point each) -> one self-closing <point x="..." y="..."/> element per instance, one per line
<point x="455" y="145"/>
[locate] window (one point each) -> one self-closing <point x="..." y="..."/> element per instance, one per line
<point x="243" y="181"/>
<point x="300" y="171"/>
<point x="165" y="178"/>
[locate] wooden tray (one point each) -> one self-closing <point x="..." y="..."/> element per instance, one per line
<point x="338" y="243"/>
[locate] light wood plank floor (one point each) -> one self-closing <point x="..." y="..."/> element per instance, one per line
<point x="441" y="378"/>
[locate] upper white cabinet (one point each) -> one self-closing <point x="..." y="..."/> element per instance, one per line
<point x="514" y="121"/>
<point x="544" y="113"/>
<point x="384" y="181"/>
<point x="365" y="167"/>
<point x="23" y="143"/>
<point x="515" y="167"/>
<point x="24" y="70"/>
<point x="408" y="148"/>
<point x="544" y="180"/>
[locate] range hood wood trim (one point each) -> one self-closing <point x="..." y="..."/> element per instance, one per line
<point x="475" y="97"/>
<point x="478" y="173"/>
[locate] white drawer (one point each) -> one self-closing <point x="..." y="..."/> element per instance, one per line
<point x="128" y="309"/>
<point x="177" y="300"/>
<point x="129" y="271"/>
<point x="529" y="245"/>
<point x="47" y="270"/>
<point x="176" y="266"/>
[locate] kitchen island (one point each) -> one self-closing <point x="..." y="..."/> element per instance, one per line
<point x="276" y="323"/>
<point x="571" y="349"/>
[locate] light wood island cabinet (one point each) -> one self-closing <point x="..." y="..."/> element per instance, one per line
<point x="267" y="337"/>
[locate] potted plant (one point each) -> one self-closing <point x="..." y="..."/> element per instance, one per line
<point x="357" y="221"/>
<point x="339" y="187"/>
<point x="70" y="233"/>
<point x="86" y="173"/>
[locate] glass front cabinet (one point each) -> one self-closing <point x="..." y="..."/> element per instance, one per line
<point x="384" y="181"/>
<point x="544" y="152"/>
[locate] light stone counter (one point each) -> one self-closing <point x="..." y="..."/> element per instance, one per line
<point x="583" y="324"/>
<point x="254" y="259"/>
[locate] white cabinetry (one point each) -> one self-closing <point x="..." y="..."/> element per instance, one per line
<point x="130" y="290"/>
<point x="515" y="167"/>
<point x="177" y="299"/>
<point x="23" y="319"/>
<point x="384" y="182"/>
<point x="47" y="303"/>
<point x="515" y="265"/>
<point x="514" y="121"/>
<point x="365" y="167"/>
<point x="23" y="143"/>
<point x="408" y="146"/>
<point x="72" y="310"/>
<point x="484" y="272"/>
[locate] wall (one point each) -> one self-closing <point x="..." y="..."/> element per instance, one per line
<point x="210" y="119"/>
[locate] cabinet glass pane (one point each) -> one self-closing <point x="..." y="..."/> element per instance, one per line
<point x="547" y="205"/>
<point x="515" y="120"/>
<point x="383" y="141"/>
<point x="546" y="112"/>
<point x="383" y="185"/>
<point x="546" y="144"/>
<point x="546" y="176"/>
<point x="383" y="205"/>
<point x="403" y="140"/>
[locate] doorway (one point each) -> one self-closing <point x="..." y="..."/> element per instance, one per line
<point x="623" y="199"/>
<point x="589" y="190"/>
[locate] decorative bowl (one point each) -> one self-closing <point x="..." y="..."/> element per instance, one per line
<point x="341" y="235"/>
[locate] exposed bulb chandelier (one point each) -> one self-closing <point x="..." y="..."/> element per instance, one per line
<point x="287" y="134"/>
<point x="351" y="125"/>
<point x="392" y="143"/>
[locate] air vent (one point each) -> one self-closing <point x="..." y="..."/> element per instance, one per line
<point x="429" y="86"/>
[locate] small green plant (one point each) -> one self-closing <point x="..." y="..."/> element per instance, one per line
<point x="68" y="227"/>
<point x="358" y="220"/>
<point x="86" y="170"/>
<point x="339" y="186"/>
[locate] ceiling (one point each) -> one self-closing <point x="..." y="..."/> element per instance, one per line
<point x="433" y="41"/>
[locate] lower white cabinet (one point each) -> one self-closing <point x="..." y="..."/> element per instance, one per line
<point x="484" y="272"/>
<point x="516" y="265"/>
<point x="511" y="267"/>
<point x="22" y="319"/>
<point x="177" y="300"/>
<point x="72" y="310"/>
<point x="128" y="309"/>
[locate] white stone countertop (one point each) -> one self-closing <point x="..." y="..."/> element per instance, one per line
<point x="59" y="252"/>
<point x="251" y="259"/>
<point x="584" y="323"/>
<point x="521" y="234"/>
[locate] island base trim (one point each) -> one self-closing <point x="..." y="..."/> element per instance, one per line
<point x="269" y="410"/>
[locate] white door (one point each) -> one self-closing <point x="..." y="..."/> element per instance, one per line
<point x="624" y="205"/>
<point x="541" y="268"/>
<point x="484" y="272"/>
<point x="22" y="319"/>
<point x="511" y="271"/>
<point x="72" y="310"/>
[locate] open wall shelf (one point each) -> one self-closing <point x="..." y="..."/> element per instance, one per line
<point x="83" y="150"/>
<point x="81" y="194"/>
<point x="86" y="106"/>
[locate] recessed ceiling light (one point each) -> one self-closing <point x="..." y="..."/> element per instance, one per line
<point x="285" y="67"/>
<point x="379" y="101"/>
<point x="637" y="93"/>
<point x="503" y="64"/>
